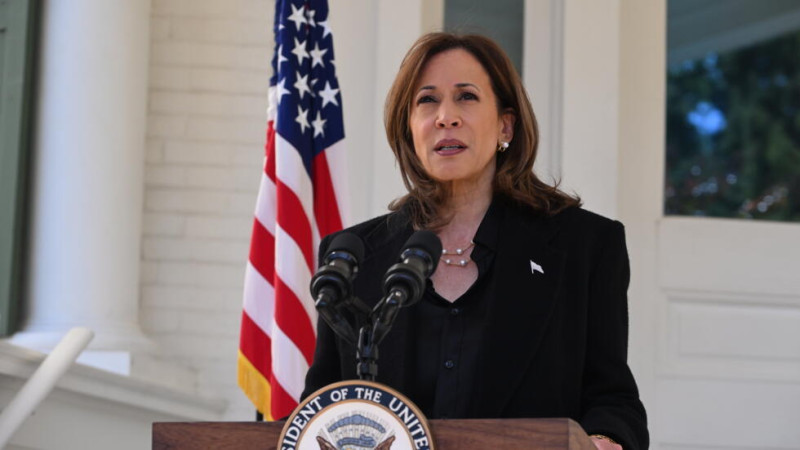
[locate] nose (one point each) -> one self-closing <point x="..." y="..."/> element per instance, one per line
<point x="447" y="117"/>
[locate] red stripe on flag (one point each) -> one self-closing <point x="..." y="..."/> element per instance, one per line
<point x="255" y="345"/>
<point x="281" y="403"/>
<point x="326" y="209"/>
<point x="262" y="251"/>
<point x="291" y="317"/>
<point x="292" y="219"/>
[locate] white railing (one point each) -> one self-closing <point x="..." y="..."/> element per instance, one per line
<point x="42" y="381"/>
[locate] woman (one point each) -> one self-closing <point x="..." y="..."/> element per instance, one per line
<point x="526" y="313"/>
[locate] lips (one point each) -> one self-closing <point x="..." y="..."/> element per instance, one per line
<point x="449" y="146"/>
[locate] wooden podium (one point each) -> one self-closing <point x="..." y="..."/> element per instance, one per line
<point x="447" y="434"/>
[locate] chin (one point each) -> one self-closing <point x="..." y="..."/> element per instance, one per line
<point x="446" y="177"/>
<point x="444" y="174"/>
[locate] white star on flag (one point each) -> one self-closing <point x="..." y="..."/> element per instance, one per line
<point x="318" y="124"/>
<point x="298" y="17"/>
<point x="299" y="50"/>
<point x="302" y="85"/>
<point x="316" y="55"/>
<point x="281" y="59"/>
<point x="310" y="15"/>
<point x="281" y="90"/>
<point x="302" y="119"/>
<point x="329" y="95"/>
<point x="326" y="28"/>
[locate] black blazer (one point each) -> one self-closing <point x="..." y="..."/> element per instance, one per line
<point x="556" y="342"/>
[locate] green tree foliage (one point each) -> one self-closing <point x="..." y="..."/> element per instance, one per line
<point x="733" y="133"/>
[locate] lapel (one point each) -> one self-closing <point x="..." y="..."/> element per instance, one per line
<point x="520" y="310"/>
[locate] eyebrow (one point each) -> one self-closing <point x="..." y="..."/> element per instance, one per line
<point x="458" y="85"/>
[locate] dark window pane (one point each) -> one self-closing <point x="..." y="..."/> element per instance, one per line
<point x="501" y="20"/>
<point x="17" y="32"/>
<point x="733" y="123"/>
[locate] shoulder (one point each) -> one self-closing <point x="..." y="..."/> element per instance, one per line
<point x="588" y="243"/>
<point x="594" y="237"/>
<point x="582" y="220"/>
<point x="574" y="218"/>
<point x="573" y="227"/>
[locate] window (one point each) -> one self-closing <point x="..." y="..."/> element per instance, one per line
<point x="16" y="44"/>
<point x="501" y="20"/>
<point x="733" y="109"/>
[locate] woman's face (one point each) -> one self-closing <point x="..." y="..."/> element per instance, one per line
<point x="454" y="121"/>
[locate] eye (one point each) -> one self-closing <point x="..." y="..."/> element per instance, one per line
<point x="468" y="96"/>
<point x="426" y="99"/>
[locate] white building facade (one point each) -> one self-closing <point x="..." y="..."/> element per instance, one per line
<point x="149" y="144"/>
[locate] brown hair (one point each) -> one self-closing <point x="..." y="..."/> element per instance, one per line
<point x="514" y="177"/>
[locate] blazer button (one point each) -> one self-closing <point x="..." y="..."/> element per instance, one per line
<point x="455" y="311"/>
<point x="449" y="364"/>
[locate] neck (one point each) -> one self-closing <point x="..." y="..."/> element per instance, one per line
<point x="466" y="209"/>
<point x="469" y="199"/>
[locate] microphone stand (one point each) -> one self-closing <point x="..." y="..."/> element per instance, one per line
<point x="366" y="355"/>
<point x="373" y="332"/>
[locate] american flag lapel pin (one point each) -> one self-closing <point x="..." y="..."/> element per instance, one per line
<point x="536" y="268"/>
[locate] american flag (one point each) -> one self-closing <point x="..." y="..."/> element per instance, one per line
<point x="301" y="198"/>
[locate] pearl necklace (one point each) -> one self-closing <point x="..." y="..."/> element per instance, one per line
<point x="460" y="252"/>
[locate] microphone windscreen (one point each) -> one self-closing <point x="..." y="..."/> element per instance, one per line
<point x="347" y="242"/>
<point x="428" y="242"/>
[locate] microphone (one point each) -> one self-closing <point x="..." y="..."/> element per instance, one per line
<point x="404" y="282"/>
<point x="332" y="284"/>
<point x="418" y="260"/>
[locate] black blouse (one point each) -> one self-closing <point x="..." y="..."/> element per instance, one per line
<point x="447" y="335"/>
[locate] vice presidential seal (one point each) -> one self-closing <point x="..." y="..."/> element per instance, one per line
<point x="356" y="415"/>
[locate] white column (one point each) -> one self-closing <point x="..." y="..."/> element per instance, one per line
<point x="399" y="25"/>
<point x="84" y="257"/>
<point x="543" y="63"/>
<point x="590" y="108"/>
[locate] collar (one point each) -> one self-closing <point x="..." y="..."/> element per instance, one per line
<point x="489" y="229"/>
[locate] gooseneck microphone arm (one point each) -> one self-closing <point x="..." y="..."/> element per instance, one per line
<point x="385" y="312"/>
<point x="326" y="306"/>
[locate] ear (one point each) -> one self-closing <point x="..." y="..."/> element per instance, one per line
<point x="507" y="121"/>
